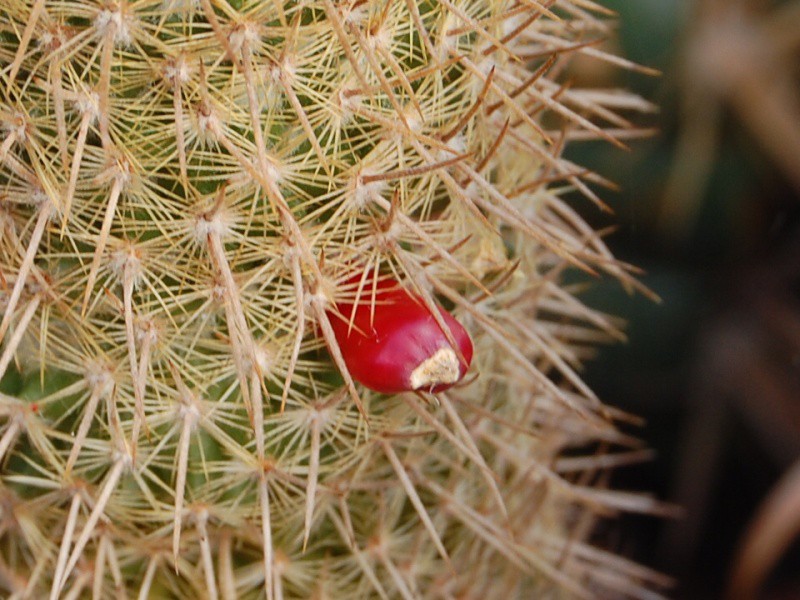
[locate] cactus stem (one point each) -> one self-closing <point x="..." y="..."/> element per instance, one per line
<point x="551" y="103"/>
<point x="375" y="26"/>
<point x="66" y="542"/>
<point x="588" y="193"/>
<point x="413" y="496"/>
<point x="314" y="420"/>
<point x="590" y="238"/>
<point x="263" y="165"/>
<point x="304" y="122"/>
<point x="402" y="128"/>
<point x="550" y="158"/>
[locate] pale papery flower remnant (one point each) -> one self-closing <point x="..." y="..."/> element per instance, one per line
<point x="218" y="176"/>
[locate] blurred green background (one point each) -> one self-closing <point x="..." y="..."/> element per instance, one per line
<point x="709" y="207"/>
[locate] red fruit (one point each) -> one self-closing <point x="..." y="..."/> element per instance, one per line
<point x="398" y="346"/>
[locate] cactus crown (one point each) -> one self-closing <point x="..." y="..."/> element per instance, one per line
<point x="188" y="188"/>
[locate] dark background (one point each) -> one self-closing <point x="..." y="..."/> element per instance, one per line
<point x="710" y="209"/>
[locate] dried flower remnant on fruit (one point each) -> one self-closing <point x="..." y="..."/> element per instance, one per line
<point x="391" y="341"/>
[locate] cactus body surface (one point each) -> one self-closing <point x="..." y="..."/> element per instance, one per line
<point x="189" y="189"/>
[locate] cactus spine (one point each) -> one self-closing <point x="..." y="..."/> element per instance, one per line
<point x="188" y="188"/>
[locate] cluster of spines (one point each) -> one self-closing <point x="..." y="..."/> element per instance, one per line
<point x="186" y="188"/>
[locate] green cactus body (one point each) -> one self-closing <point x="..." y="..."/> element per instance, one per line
<point x="186" y="189"/>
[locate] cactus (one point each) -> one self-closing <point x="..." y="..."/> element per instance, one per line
<point x="190" y="188"/>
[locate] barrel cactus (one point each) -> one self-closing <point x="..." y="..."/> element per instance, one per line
<point x="191" y="192"/>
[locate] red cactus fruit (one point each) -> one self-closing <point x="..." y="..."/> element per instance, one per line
<point x="391" y="342"/>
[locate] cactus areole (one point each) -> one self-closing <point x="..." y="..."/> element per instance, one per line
<point x="391" y="342"/>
